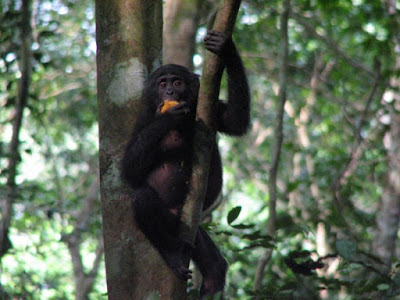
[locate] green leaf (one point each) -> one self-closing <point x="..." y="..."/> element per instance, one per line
<point x="234" y="214"/>
<point x="300" y="254"/>
<point x="243" y="226"/>
<point x="253" y="236"/>
<point x="261" y="243"/>
<point x="347" y="249"/>
<point x="383" y="287"/>
<point x="293" y="186"/>
<point x="257" y="236"/>
<point x="223" y="232"/>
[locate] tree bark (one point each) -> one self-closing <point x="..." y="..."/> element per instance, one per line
<point x="129" y="42"/>
<point x="25" y="66"/>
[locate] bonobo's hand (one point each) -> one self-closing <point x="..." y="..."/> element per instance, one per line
<point x="217" y="42"/>
<point x="180" y="110"/>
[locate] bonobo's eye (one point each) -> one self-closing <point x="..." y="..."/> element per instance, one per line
<point x="163" y="84"/>
<point x="177" y="83"/>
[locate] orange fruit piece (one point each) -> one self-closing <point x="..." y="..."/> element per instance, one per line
<point x="168" y="104"/>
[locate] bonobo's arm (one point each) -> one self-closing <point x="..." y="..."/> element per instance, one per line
<point x="233" y="117"/>
<point x="143" y="151"/>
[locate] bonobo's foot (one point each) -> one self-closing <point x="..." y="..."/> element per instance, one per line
<point x="214" y="281"/>
<point x="177" y="261"/>
<point x="182" y="272"/>
<point x="209" y="287"/>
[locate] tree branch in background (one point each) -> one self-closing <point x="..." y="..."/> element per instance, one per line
<point x="181" y="20"/>
<point x="278" y="140"/>
<point x="318" y="76"/>
<point x="330" y="44"/>
<point x="205" y="127"/>
<point x="84" y="280"/>
<point x="25" y="66"/>
<point x="355" y="153"/>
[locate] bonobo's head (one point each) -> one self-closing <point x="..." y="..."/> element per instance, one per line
<point x="172" y="82"/>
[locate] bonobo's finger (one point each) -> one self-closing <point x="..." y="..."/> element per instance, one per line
<point x="159" y="107"/>
<point x="214" y="49"/>
<point x="213" y="33"/>
<point x="215" y="42"/>
<point x="214" y="36"/>
<point x="181" y="108"/>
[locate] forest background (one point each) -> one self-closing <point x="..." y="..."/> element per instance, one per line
<point x="338" y="182"/>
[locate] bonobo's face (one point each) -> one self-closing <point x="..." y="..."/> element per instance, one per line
<point x="171" y="87"/>
<point x="172" y="82"/>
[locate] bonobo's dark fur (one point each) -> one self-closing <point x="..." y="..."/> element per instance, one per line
<point x="158" y="159"/>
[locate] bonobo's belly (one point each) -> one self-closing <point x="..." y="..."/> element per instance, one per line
<point x="171" y="180"/>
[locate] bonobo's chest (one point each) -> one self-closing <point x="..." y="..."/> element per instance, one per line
<point x="171" y="176"/>
<point x="173" y="139"/>
<point x="176" y="139"/>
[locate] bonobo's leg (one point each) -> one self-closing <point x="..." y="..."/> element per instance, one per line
<point x="160" y="226"/>
<point x="211" y="264"/>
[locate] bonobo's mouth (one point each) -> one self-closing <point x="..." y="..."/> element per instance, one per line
<point x="168" y="104"/>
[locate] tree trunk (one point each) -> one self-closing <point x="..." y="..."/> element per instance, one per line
<point x="181" y="20"/>
<point x="128" y="48"/>
<point x="388" y="217"/>
<point x="205" y="125"/>
<point x="25" y="66"/>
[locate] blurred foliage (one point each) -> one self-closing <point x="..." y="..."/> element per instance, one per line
<point x="59" y="151"/>
<point x="58" y="147"/>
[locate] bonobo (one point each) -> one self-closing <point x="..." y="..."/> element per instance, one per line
<point x="158" y="159"/>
